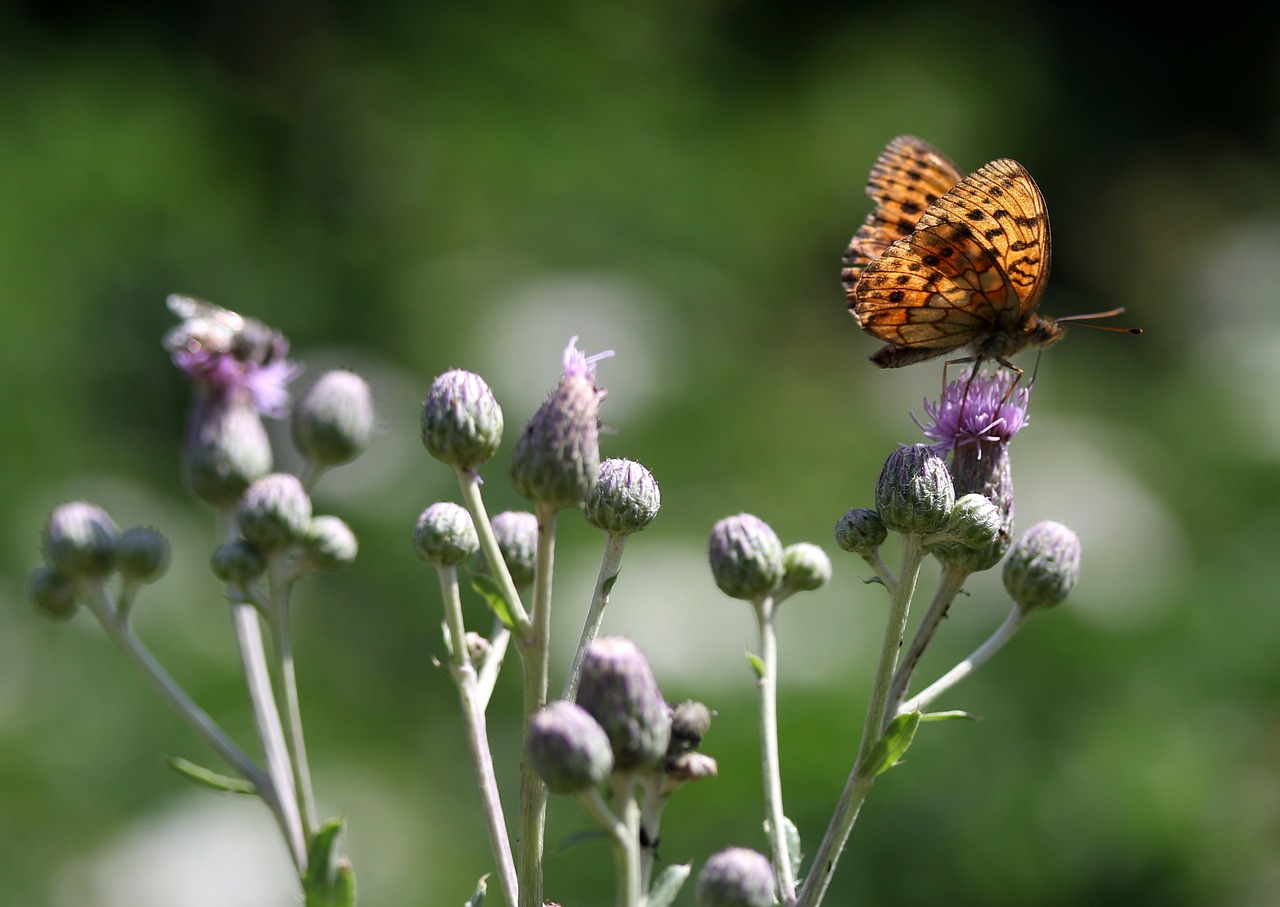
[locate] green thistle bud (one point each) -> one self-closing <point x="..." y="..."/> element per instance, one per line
<point x="736" y="877"/>
<point x="80" y="540"/>
<point x="914" y="493"/>
<point x="746" y="556"/>
<point x="274" y="512"/>
<point x="557" y="457"/>
<point x="226" y="449"/>
<point x="516" y="532"/>
<point x="618" y="689"/>
<point x="142" y="554"/>
<point x="53" y="594"/>
<point x="806" y="566"/>
<point x="625" y="498"/>
<point x="334" y="421"/>
<point x="861" y="531"/>
<point x="980" y="532"/>
<point x="461" y="420"/>
<point x="1043" y="566"/>
<point x="690" y="722"/>
<point x="329" y="543"/>
<point x="238" y="563"/>
<point x="445" y="535"/>
<point x="568" y="748"/>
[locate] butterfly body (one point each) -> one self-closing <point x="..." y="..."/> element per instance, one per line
<point x="947" y="261"/>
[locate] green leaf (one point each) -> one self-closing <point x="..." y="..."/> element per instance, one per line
<point x="757" y="665"/>
<point x="889" y="748"/>
<point x="953" y="715"/>
<point x="607" y="587"/>
<point x="491" y="592"/>
<point x="482" y="888"/>
<point x="210" y="778"/>
<point x="792" y="835"/>
<point x="668" y="885"/>
<point x="330" y="881"/>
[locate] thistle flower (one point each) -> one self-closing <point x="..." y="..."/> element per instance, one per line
<point x="238" y="563"/>
<point x="333" y="423"/>
<point x="461" y="420"/>
<point x="445" y="535"/>
<point x="619" y="691"/>
<point x="1043" y="566"/>
<point x="746" y="556"/>
<point x="736" y="877"/>
<point x="974" y="410"/>
<point x="274" y="512"/>
<point x="80" y="540"/>
<point x="806" y="567"/>
<point x="568" y="749"/>
<point x="914" y="492"/>
<point x="690" y="721"/>
<point x="53" y="593"/>
<point x="329" y="543"/>
<point x="625" y="498"/>
<point x="142" y="554"/>
<point x="516" y="532"/>
<point x="861" y="531"/>
<point x="240" y="371"/>
<point x="557" y="457"/>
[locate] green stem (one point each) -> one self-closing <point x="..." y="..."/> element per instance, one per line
<point x="624" y="839"/>
<point x="287" y="701"/>
<point x="859" y="785"/>
<point x="608" y="575"/>
<point x="534" y="647"/>
<point x="469" y="483"/>
<point x="953" y="579"/>
<point x="994" y="643"/>
<point x="464" y="677"/>
<point x="770" y="763"/>
<point x="118" y="629"/>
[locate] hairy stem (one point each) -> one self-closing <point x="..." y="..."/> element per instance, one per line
<point x="612" y="557"/>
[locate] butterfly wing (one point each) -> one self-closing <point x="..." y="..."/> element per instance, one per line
<point x="969" y="275"/>
<point x="908" y="177"/>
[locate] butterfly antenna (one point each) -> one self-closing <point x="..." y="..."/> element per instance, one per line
<point x="1101" y="327"/>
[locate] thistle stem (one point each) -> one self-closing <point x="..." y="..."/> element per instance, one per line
<point x="287" y="701"/>
<point x="859" y="783"/>
<point x="464" y="677"/>
<point x="994" y="643"/>
<point x="770" y="767"/>
<point x="953" y="579"/>
<point x="608" y="575"/>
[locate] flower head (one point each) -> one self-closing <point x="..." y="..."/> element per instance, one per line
<point x="736" y="877"/>
<point x="568" y="749"/>
<point x="557" y="457"/>
<point x="976" y="409"/>
<point x="461" y="420"/>
<point x="619" y="691"/>
<point x="746" y="556"/>
<point x="1043" y="566"/>
<point x="230" y="358"/>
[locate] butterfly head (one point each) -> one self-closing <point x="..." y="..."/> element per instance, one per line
<point x="1043" y="331"/>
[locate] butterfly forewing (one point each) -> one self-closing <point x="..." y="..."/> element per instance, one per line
<point x="908" y="177"/>
<point x="1005" y="210"/>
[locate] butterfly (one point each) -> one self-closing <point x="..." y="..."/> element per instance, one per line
<point x="946" y="261"/>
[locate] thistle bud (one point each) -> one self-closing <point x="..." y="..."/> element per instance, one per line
<point x="625" y="498"/>
<point x="619" y="691"/>
<point x="225" y="450"/>
<point x="690" y="722"/>
<point x="806" y="567"/>
<point x="142" y="554"/>
<point x="238" y="563"/>
<point x="746" y="556"/>
<point x="568" y="749"/>
<point x="334" y="421"/>
<point x="329" y="543"/>
<point x="736" y="877"/>
<point x="80" y="540"/>
<point x="981" y="534"/>
<point x="1043" y="566"/>
<point x="914" y="493"/>
<point x="53" y="594"/>
<point x="445" y="535"/>
<point x="557" y="457"/>
<point x="516" y="532"/>
<point x="461" y="420"/>
<point x="274" y="512"/>
<point x="861" y="531"/>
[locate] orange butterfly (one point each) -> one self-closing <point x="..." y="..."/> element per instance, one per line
<point x="947" y="260"/>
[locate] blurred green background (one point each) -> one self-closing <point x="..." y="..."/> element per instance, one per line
<point x="408" y="187"/>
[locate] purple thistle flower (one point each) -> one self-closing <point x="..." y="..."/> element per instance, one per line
<point x="978" y="409"/>
<point x="230" y="358"/>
